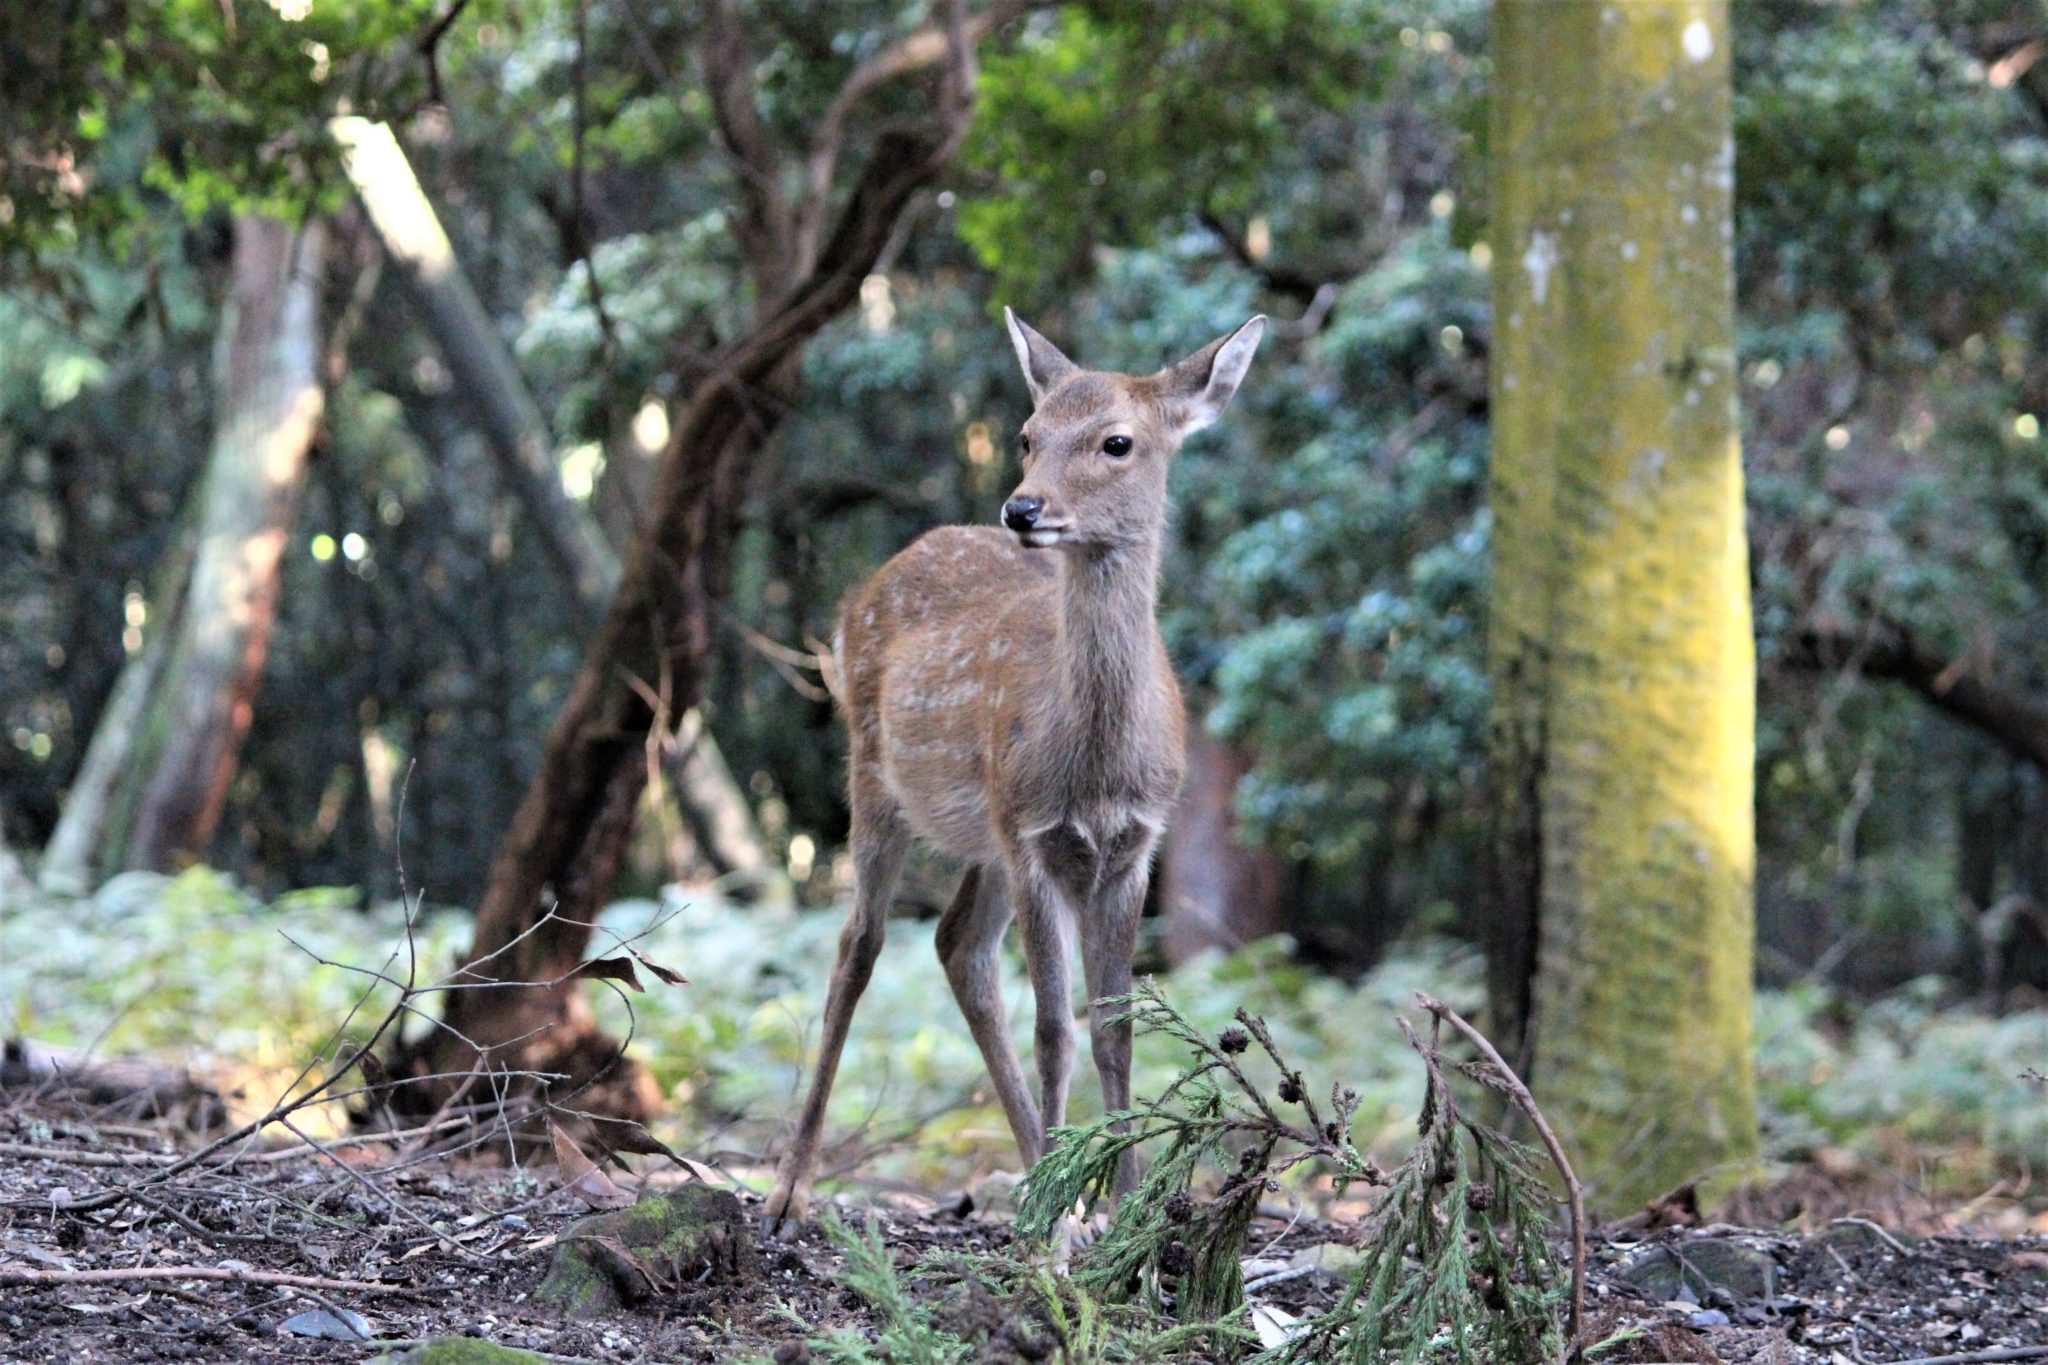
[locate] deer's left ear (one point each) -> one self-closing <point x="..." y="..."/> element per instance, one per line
<point x="1200" y="387"/>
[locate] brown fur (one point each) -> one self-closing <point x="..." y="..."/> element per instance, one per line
<point x="1014" y="706"/>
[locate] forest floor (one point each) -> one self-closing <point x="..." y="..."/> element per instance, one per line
<point x="1900" y="1224"/>
<point x="239" y="1261"/>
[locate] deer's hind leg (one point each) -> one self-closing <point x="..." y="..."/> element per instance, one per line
<point x="880" y="841"/>
<point x="970" y="942"/>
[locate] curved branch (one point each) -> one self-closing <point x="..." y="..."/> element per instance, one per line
<point x="928" y="46"/>
<point x="1287" y="283"/>
<point x="1889" y="652"/>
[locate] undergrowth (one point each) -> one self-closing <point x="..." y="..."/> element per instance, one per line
<point x="1915" y="1082"/>
<point x="1455" y="1263"/>
<point x="955" y="1308"/>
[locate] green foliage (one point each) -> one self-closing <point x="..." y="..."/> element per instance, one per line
<point x="1183" y="1252"/>
<point x="111" y="104"/>
<point x="908" y="1334"/>
<point x="1914" y="1081"/>
<point x="165" y="966"/>
<point x="194" y="967"/>
<point x="1880" y="173"/>
<point x="1457" y="1265"/>
<point x="1125" y="116"/>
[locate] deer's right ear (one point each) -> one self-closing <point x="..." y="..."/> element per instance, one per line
<point x="1202" y="385"/>
<point x="1043" y="365"/>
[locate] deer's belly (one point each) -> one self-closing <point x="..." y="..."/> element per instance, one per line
<point x="935" y="707"/>
<point x="938" y="786"/>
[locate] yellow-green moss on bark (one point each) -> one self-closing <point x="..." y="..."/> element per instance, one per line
<point x="1621" y="654"/>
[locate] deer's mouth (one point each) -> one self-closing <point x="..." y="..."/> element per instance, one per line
<point x="1042" y="537"/>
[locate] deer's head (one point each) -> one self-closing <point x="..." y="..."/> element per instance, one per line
<point x="1096" y="446"/>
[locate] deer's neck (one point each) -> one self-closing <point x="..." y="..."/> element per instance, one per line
<point x="1108" y="620"/>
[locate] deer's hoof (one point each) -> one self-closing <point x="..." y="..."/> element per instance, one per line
<point x="787" y="1210"/>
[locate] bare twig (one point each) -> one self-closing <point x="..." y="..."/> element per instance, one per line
<point x="429" y="48"/>
<point x="1894" y="1243"/>
<point x="1996" y="1353"/>
<point x="1575" y="1193"/>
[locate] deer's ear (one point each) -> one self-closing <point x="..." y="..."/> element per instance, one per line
<point x="1043" y="365"/>
<point x="1200" y="387"/>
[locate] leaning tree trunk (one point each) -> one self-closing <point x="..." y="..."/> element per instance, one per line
<point x="494" y="391"/>
<point x="1622" y="660"/>
<point x="173" y="776"/>
<point x="571" y="831"/>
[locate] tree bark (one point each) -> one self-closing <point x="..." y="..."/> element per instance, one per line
<point x="1216" y="891"/>
<point x="1622" y="660"/>
<point x="563" y="848"/>
<point x="173" y="779"/>
<point x="15" y="886"/>
<point x="721" y="823"/>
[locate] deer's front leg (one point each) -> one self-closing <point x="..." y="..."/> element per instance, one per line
<point x="1041" y="915"/>
<point x="1109" y="937"/>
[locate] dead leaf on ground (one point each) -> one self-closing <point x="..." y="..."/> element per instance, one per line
<point x="582" y="1178"/>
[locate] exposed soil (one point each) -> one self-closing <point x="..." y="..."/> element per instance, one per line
<point x="444" y="1249"/>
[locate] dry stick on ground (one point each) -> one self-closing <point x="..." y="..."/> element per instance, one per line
<point x="1575" y="1193"/>
<point x="125" y="1274"/>
<point x="1996" y="1353"/>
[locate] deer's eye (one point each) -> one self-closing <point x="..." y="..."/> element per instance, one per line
<point x="1023" y="443"/>
<point x="1119" y="446"/>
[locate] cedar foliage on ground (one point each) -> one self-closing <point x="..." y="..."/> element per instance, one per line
<point x="1456" y="1263"/>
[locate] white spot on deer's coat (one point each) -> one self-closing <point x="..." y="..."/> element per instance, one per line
<point x="1697" y="40"/>
<point x="1539" y="260"/>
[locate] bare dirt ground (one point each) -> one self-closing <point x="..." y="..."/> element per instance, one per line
<point x="231" y="1261"/>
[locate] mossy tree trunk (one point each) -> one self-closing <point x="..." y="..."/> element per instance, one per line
<point x="1621" y="654"/>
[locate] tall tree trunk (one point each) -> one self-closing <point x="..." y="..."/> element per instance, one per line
<point x="1216" y="891"/>
<point x="568" y="836"/>
<point x="270" y="404"/>
<point x="721" y="823"/>
<point x="1621" y="654"/>
<point x="15" y="886"/>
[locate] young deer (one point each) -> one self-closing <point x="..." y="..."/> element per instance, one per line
<point x="1009" y="700"/>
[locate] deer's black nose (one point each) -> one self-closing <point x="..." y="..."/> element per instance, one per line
<point x="1021" y="514"/>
